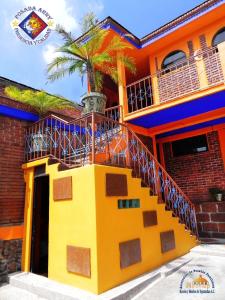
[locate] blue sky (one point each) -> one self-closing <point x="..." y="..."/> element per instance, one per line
<point x="27" y="64"/>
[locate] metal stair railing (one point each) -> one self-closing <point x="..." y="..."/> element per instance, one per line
<point x="96" y="139"/>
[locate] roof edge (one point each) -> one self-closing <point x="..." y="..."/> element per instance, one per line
<point x="110" y="23"/>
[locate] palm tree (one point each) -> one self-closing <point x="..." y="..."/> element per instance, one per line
<point x="41" y="101"/>
<point x="87" y="57"/>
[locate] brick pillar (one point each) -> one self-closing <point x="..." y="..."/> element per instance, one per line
<point x="191" y="48"/>
<point x="203" y="42"/>
<point x="211" y="219"/>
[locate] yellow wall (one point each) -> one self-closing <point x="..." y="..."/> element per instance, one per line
<point x="71" y="222"/>
<point x="118" y="225"/>
<point x="94" y="221"/>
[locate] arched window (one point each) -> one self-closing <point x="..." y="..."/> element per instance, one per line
<point x="173" y="58"/>
<point x="219" y="37"/>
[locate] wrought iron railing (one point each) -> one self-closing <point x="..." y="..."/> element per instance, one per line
<point x="139" y="94"/>
<point x="100" y="140"/>
<point x="177" y="80"/>
<point x="115" y="113"/>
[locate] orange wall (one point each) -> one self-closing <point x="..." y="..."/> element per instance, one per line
<point x="209" y="30"/>
<point x="207" y="24"/>
<point x="11" y="232"/>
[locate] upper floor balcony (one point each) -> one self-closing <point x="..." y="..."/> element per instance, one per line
<point x="192" y="77"/>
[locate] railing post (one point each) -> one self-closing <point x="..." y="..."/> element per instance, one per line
<point x="128" y="158"/>
<point x="122" y="86"/>
<point x="202" y="76"/>
<point x="120" y="109"/>
<point x="221" y="49"/>
<point x="93" y="136"/>
<point x="155" y="89"/>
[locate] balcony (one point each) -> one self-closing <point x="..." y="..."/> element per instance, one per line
<point x="202" y="71"/>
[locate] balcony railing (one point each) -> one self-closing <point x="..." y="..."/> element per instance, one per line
<point x="200" y="71"/>
<point x="139" y="94"/>
<point x="95" y="139"/>
<point x="115" y="113"/>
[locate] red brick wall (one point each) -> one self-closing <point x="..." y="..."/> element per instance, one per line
<point x="196" y="173"/>
<point x="11" y="176"/>
<point x="211" y="219"/>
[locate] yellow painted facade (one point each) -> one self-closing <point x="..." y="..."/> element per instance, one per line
<point x="92" y="220"/>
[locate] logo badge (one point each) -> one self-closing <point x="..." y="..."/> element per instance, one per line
<point x="197" y="282"/>
<point x="32" y="26"/>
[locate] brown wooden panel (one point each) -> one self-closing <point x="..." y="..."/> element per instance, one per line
<point x="116" y="185"/>
<point x="150" y="218"/>
<point x="78" y="260"/>
<point x="62" y="188"/>
<point x="167" y="241"/>
<point x="130" y="253"/>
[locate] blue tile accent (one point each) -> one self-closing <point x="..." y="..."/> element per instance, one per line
<point x="17" y="114"/>
<point x="181" y="111"/>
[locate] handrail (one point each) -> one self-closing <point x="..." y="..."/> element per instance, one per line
<point x="112" y="107"/>
<point x="96" y="139"/>
<point x="114" y="112"/>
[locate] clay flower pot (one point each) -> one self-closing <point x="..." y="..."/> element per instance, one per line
<point x="94" y="102"/>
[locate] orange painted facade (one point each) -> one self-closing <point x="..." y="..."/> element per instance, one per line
<point x="208" y="25"/>
<point x="11" y="232"/>
<point x="195" y="38"/>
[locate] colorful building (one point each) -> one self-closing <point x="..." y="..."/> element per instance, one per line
<point x="106" y="201"/>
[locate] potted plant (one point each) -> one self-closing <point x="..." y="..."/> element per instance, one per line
<point x="86" y="57"/>
<point x="216" y="193"/>
<point x="42" y="103"/>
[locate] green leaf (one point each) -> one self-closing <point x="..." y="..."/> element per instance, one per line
<point x="41" y="101"/>
<point x="93" y="55"/>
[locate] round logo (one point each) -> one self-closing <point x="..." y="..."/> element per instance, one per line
<point x="33" y="25"/>
<point x="197" y="282"/>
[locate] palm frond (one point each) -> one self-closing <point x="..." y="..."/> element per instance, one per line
<point x="72" y="50"/>
<point x="96" y="40"/>
<point x="117" y="44"/>
<point x="128" y="62"/>
<point x="61" y="67"/>
<point x="60" y="61"/>
<point x="101" y="58"/>
<point x="67" y="36"/>
<point x="95" y="55"/>
<point x="41" y="101"/>
<point x="111" y="71"/>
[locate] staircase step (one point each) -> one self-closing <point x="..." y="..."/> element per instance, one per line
<point x="47" y="288"/>
<point x="42" y="288"/>
<point x="9" y="292"/>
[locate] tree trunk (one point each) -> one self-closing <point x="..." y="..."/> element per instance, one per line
<point x="91" y="78"/>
